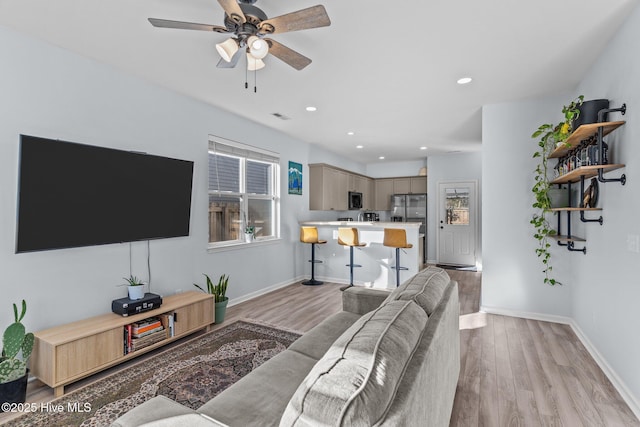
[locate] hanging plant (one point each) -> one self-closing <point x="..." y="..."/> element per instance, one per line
<point x="549" y="137"/>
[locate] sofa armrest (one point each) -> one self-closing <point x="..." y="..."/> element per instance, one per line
<point x="360" y="300"/>
<point x="157" y="408"/>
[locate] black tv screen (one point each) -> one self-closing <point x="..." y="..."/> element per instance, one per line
<point x="73" y="195"/>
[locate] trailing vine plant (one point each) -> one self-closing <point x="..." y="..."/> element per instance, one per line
<point x="549" y="137"/>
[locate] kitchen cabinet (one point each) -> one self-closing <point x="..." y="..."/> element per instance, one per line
<point x="410" y="185"/>
<point x="418" y="185"/>
<point x="384" y="190"/>
<point x="401" y="185"/>
<point x="327" y="188"/>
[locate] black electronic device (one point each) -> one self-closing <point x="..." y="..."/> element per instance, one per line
<point x="73" y="195"/>
<point x="128" y="307"/>
<point x="355" y="200"/>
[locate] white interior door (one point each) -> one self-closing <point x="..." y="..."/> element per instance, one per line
<point x="457" y="214"/>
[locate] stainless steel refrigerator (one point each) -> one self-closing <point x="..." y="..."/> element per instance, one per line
<point x="412" y="208"/>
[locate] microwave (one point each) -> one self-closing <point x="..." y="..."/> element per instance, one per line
<point x="355" y="200"/>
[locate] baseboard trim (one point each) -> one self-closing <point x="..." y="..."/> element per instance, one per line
<point x="263" y="291"/>
<point x="611" y="374"/>
<point x="527" y="315"/>
<point x="617" y="382"/>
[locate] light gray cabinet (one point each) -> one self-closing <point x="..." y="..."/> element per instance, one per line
<point x="327" y="188"/>
<point x="418" y="185"/>
<point x="384" y="189"/>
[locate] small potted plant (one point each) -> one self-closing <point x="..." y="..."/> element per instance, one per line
<point x="16" y="349"/>
<point x="249" y="233"/>
<point x="135" y="287"/>
<point x="219" y="293"/>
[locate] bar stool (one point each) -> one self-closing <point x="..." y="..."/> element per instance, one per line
<point x="396" y="238"/>
<point x="349" y="237"/>
<point x="310" y="235"/>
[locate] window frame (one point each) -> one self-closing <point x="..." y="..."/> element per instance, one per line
<point x="224" y="147"/>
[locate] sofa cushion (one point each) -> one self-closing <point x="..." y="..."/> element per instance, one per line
<point x="156" y="408"/>
<point x="356" y="380"/>
<point x="259" y="399"/>
<point x="191" y="420"/>
<point x="425" y="288"/>
<point x="317" y="341"/>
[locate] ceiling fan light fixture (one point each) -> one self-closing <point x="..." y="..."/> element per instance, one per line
<point x="254" y="64"/>
<point x="227" y="49"/>
<point x="257" y="47"/>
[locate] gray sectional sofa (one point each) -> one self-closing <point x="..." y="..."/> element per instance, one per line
<point x="388" y="359"/>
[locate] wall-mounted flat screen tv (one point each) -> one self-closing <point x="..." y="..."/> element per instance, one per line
<point x="73" y="195"/>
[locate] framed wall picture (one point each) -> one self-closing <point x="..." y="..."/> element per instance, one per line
<point x="295" y="178"/>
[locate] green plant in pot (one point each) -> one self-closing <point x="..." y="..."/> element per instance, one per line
<point x="17" y="345"/>
<point x="249" y="233"/>
<point x="219" y="293"/>
<point x="549" y="138"/>
<point x="135" y="287"/>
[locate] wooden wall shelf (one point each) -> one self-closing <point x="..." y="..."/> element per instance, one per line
<point x="590" y="134"/>
<point x="568" y="209"/>
<point x="582" y="133"/>
<point x="584" y="171"/>
<point x="562" y="238"/>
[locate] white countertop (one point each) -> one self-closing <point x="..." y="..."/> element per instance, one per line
<point x="376" y="224"/>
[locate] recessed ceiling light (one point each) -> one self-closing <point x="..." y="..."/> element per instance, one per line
<point x="359" y="146"/>
<point x="350" y="133"/>
<point x="311" y="108"/>
<point x="423" y="148"/>
<point x="464" y="80"/>
<point x="381" y="157"/>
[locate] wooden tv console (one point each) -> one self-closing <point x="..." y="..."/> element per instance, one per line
<point x="64" y="354"/>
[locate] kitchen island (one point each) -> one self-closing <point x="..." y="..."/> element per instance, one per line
<point x="376" y="259"/>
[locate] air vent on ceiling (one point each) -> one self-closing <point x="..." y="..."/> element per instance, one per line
<point x="281" y="116"/>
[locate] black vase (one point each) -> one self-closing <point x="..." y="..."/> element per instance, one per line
<point x="589" y="112"/>
<point x="14" y="391"/>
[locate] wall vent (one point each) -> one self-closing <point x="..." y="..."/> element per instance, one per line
<point x="281" y="116"/>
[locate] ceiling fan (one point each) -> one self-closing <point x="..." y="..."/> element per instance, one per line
<point x="250" y="26"/>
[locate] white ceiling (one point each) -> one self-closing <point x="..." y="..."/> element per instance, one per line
<point x="384" y="70"/>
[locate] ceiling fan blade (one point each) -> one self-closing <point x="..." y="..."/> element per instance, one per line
<point x="232" y="9"/>
<point x="234" y="60"/>
<point x="312" y="17"/>
<point x="287" y="55"/>
<point x="165" y="23"/>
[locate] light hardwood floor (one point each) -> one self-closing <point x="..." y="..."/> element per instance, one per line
<point x="514" y="372"/>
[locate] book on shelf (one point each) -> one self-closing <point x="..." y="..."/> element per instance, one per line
<point x="146" y="325"/>
<point x="128" y="336"/>
<point x="159" y="327"/>
<point x="167" y="322"/>
<point x="146" y="332"/>
<point x="146" y="341"/>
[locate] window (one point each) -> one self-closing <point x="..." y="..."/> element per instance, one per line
<point x="243" y="191"/>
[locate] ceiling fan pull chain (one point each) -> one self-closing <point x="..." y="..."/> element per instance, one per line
<point x="246" y="75"/>
<point x="255" y="81"/>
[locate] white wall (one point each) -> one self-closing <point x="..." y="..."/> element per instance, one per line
<point x="512" y="274"/>
<point x="607" y="289"/>
<point x="600" y="290"/>
<point x="452" y="167"/>
<point x="56" y="94"/>
<point x="385" y="169"/>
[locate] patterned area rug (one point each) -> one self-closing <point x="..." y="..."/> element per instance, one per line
<point x="191" y="374"/>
